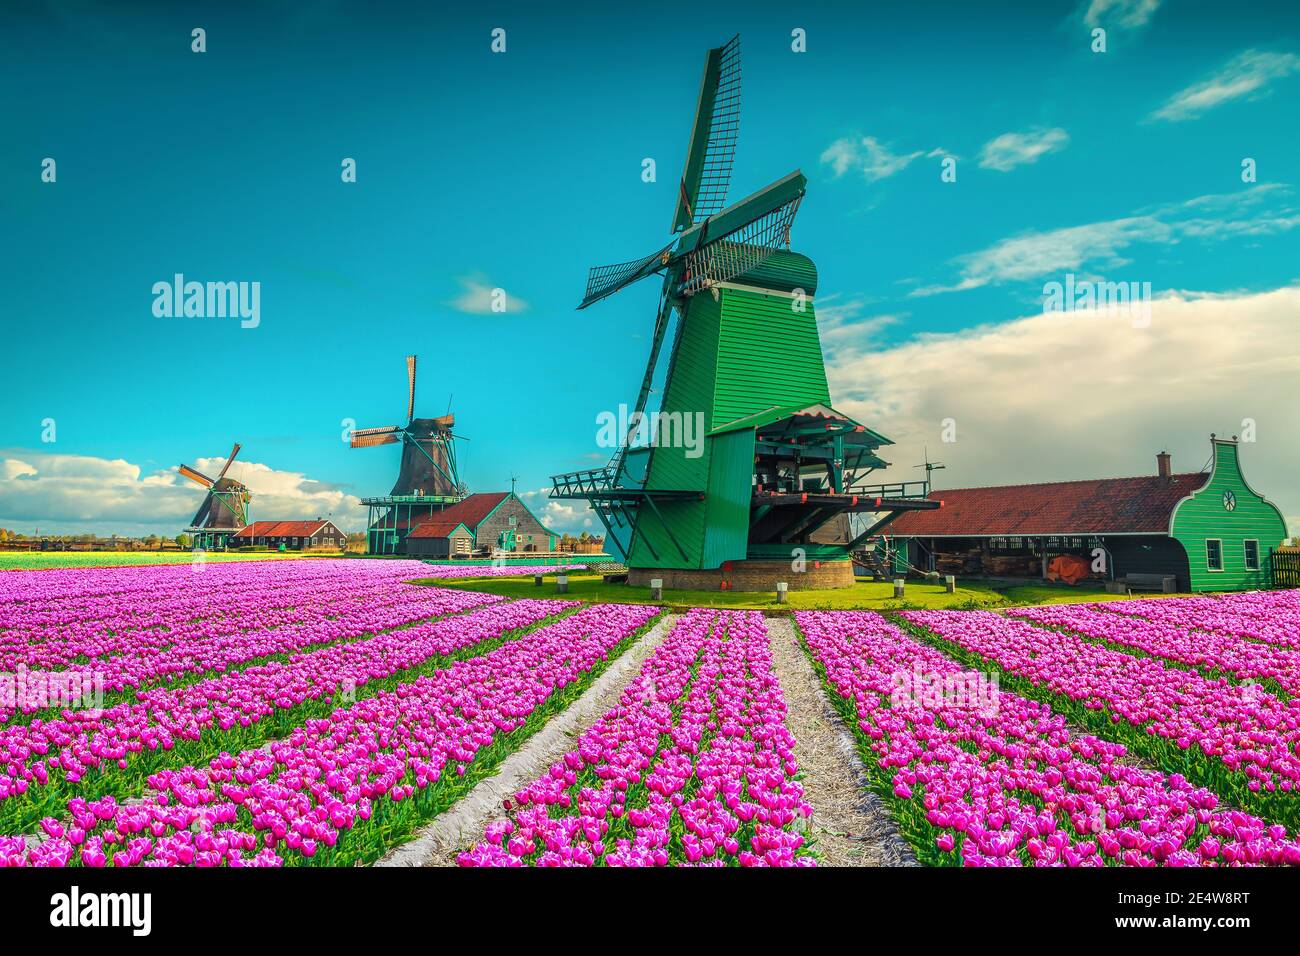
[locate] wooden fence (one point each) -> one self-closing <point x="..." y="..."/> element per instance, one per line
<point x="1286" y="568"/>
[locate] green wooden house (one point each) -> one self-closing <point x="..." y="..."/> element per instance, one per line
<point x="1209" y="529"/>
<point x="1227" y="529"/>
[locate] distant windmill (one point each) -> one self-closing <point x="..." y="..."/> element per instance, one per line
<point x="224" y="507"/>
<point x="428" y="452"/>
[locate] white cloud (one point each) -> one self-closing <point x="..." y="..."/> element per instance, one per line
<point x="1040" y="253"/>
<point x="1084" y="394"/>
<point x="868" y="155"/>
<point x="1126" y="14"/>
<point x="14" y="468"/>
<point x="478" y="296"/>
<point x="1246" y="74"/>
<point x="564" y="517"/>
<point x="1010" y="150"/>
<point x="844" y="323"/>
<point x="73" y="493"/>
<point x="1101" y="245"/>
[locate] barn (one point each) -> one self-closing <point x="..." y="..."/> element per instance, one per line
<point x="480" y="524"/>
<point x="291" y="535"/>
<point x="1207" y="529"/>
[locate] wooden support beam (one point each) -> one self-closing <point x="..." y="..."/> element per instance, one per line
<point x="668" y="528"/>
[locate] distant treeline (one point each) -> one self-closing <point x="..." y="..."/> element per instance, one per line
<point x="17" y="541"/>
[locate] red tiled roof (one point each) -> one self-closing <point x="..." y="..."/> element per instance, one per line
<point x="280" y="529"/>
<point x="1096" y="506"/>
<point x="468" y="512"/>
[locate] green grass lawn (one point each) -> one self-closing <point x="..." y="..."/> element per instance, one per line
<point x="874" y="595"/>
<point x="1065" y="594"/>
<point x="868" y="595"/>
<point x="41" y="560"/>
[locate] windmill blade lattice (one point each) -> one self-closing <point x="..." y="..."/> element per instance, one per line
<point x="711" y="152"/>
<point x="740" y="251"/>
<point x="196" y="476"/>
<point x="410" y="377"/>
<point x="604" y="281"/>
<point x="226" y="467"/>
<point x="724" y="130"/>
<point x="369" y="437"/>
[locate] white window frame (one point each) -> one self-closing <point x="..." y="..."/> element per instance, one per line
<point x="1246" y="553"/>
<point x="1208" y="566"/>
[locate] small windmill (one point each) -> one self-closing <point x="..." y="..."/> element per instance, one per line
<point x="225" y="506"/>
<point x="428" y="449"/>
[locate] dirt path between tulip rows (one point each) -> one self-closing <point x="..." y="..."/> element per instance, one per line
<point x="461" y="826"/>
<point x="850" y="823"/>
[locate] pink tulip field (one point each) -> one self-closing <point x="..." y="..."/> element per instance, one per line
<point x="1013" y="785"/>
<point x="322" y="712"/>
<point x="337" y="685"/>
<point x="1234" y="736"/>
<point x="694" y="766"/>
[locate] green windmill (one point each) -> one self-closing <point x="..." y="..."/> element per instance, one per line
<point x="745" y="466"/>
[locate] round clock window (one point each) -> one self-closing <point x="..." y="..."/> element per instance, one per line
<point x="1229" y="501"/>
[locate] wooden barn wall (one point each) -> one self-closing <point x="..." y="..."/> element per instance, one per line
<point x="1149" y="554"/>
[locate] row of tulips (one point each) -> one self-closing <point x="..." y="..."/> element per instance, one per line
<point x="201" y="653"/>
<point x="493" y="570"/>
<point x="88" y="594"/>
<point x="1207" y="650"/>
<point x="1272" y="617"/>
<point x="143" y="636"/>
<point x="1009" y="784"/>
<point x="694" y="766"/>
<point x="342" y="789"/>
<point x="92" y="750"/>
<point x="1235" y="738"/>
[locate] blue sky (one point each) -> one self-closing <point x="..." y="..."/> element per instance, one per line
<point x="518" y="170"/>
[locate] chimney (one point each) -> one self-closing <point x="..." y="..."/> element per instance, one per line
<point x="1163" y="468"/>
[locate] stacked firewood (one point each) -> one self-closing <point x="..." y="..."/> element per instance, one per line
<point x="958" y="562"/>
<point x="1011" y="565"/>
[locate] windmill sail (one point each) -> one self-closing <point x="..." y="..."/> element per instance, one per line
<point x="196" y="476"/>
<point x="226" y="467"/>
<point x="604" y="281"/>
<point x="369" y="437"/>
<point x="712" y="149"/>
<point x="410" y="378"/>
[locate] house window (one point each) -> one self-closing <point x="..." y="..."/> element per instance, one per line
<point x="1214" y="554"/>
<point x="1252" y="554"/>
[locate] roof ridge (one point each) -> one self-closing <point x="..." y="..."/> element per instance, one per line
<point x="1071" y="481"/>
